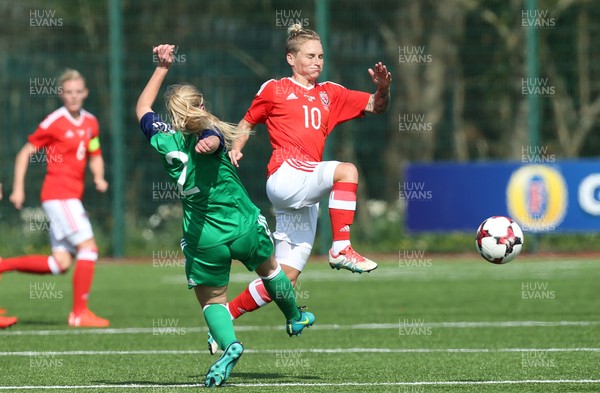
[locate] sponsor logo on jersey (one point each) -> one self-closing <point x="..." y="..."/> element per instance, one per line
<point x="292" y="96"/>
<point x="69" y="134"/>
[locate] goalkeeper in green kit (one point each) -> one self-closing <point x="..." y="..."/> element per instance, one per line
<point x="220" y="223"/>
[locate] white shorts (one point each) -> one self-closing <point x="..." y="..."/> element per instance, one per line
<point x="295" y="190"/>
<point x="69" y="224"/>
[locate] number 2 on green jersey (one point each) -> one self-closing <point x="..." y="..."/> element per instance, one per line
<point x="183" y="158"/>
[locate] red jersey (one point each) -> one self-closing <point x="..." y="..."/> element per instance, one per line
<point x="299" y="119"/>
<point x="67" y="142"/>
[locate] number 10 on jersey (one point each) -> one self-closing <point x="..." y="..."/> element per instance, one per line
<point x="312" y="116"/>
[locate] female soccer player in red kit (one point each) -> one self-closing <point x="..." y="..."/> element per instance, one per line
<point x="5" y="321"/>
<point x="68" y="137"/>
<point x="300" y="113"/>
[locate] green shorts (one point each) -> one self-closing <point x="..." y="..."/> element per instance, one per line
<point x="211" y="266"/>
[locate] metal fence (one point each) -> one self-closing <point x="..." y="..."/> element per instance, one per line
<point x="459" y="70"/>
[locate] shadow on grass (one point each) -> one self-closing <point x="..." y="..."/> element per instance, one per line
<point x="23" y="322"/>
<point x="166" y="384"/>
<point x="284" y="378"/>
<point x="234" y="378"/>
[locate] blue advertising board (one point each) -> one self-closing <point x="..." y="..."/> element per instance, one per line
<point x="559" y="196"/>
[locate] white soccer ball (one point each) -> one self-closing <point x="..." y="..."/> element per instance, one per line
<point x="499" y="239"/>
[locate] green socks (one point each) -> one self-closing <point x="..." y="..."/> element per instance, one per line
<point x="280" y="289"/>
<point x="220" y="324"/>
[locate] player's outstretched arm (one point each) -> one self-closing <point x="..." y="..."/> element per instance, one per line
<point x="165" y="56"/>
<point x="17" y="197"/>
<point x="380" y="100"/>
<point x="235" y="154"/>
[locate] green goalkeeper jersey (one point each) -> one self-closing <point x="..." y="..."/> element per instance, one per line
<point x="216" y="207"/>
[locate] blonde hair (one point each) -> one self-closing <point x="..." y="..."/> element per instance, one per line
<point x="69" y="74"/>
<point x="298" y="36"/>
<point x="184" y="102"/>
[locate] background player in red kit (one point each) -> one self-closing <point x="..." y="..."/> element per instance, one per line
<point x="68" y="137"/>
<point x="299" y="114"/>
<point x="5" y="321"/>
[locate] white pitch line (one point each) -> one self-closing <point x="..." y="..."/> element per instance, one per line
<point x="326" y="384"/>
<point x="298" y="350"/>
<point x="407" y="322"/>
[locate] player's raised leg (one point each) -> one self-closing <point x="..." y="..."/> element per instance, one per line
<point x="36" y="264"/>
<point x="274" y="280"/>
<point x="342" y="205"/>
<point x="281" y="290"/>
<point x="293" y="238"/>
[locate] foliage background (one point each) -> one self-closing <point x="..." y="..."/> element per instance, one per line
<point x="470" y="92"/>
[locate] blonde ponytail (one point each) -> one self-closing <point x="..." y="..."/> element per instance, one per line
<point x="184" y="105"/>
<point x="298" y="36"/>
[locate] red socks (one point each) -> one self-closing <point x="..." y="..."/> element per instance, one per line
<point x="43" y="264"/>
<point x="36" y="264"/>
<point x="82" y="278"/>
<point x="342" y="204"/>
<point x="252" y="298"/>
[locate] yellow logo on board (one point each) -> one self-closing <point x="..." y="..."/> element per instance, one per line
<point x="537" y="197"/>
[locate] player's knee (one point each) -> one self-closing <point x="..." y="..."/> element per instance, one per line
<point x="64" y="260"/>
<point x="89" y="244"/>
<point x="87" y="254"/>
<point x="291" y="273"/>
<point x="346" y="172"/>
<point x="211" y="295"/>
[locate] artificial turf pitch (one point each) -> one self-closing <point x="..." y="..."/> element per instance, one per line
<point x="419" y="323"/>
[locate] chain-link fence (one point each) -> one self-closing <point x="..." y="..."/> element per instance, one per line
<point x="459" y="88"/>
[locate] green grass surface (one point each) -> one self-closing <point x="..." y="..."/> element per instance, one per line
<point x="426" y="324"/>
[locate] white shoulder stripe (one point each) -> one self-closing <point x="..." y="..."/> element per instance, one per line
<point x="333" y="83"/>
<point x="51" y="118"/>
<point x="88" y="114"/>
<point x="264" y="85"/>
